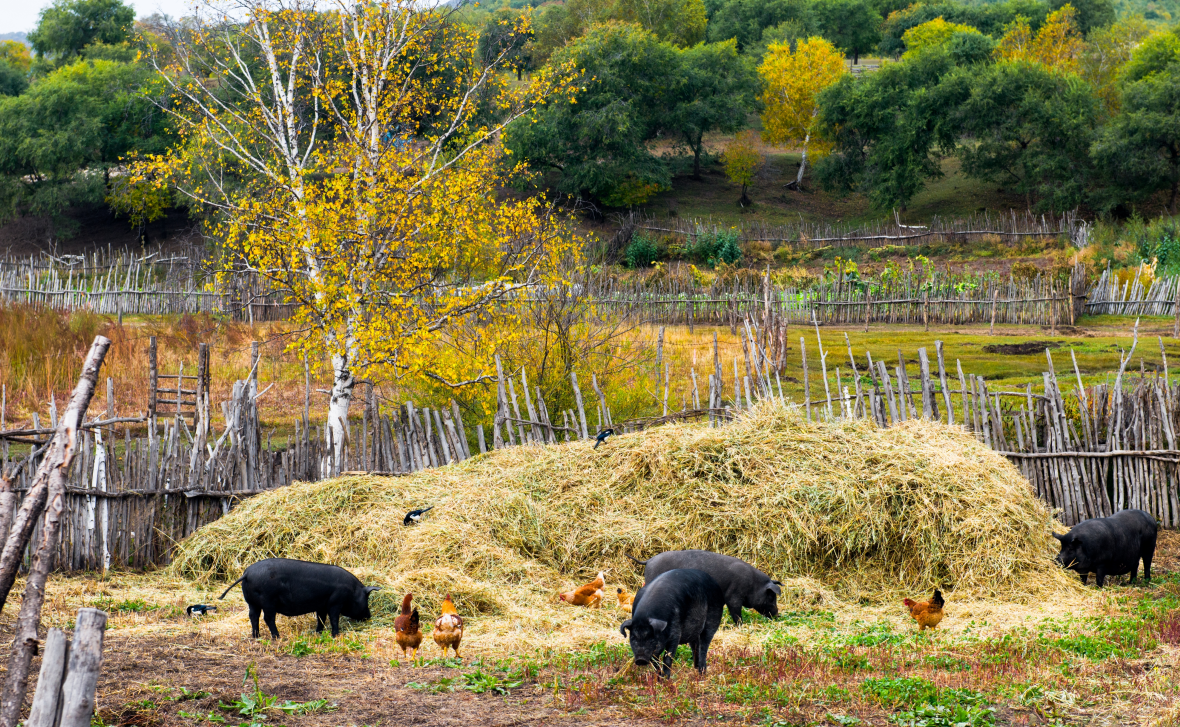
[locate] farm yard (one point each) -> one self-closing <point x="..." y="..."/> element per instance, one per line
<point x="757" y="362"/>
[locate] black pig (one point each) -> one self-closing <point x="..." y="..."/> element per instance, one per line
<point x="296" y="587"/>
<point x="682" y="606"/>
<point x="743" y="584"/>
<point x="1110" y="546"/>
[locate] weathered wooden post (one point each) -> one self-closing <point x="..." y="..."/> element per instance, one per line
<point x="47" y="494"/>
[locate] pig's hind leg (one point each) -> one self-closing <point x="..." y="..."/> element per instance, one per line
<point x="254" y="614"/>
<point x="321" y="618"/>
<point x="1147" y="552"/>
<point x="334" y="616"/>
<point x="269" y="618"/>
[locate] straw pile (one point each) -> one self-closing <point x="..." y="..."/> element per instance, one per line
<point x="839" y="512"/>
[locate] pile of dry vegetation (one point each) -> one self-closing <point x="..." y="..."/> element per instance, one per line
<point x="841" y="512"/>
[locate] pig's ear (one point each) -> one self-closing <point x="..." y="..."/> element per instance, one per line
<point x="776" y="587"/>
<point x="624" y="626"/>
<point x="1059" y="537"/>
<point x="657" y="624"/>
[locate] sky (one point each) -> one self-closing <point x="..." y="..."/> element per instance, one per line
<point x="17" y="16"/>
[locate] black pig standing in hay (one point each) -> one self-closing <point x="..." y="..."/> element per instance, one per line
<point x="742" y="584"/>
<point x="682" y="606"/>
<point x="296" y="587"/>
<point x="1110" y="546"/>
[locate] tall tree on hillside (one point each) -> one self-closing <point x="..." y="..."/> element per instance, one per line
<point x="793" y="82"/>
<point x="1090" y="14"/>
<point x="1057" y="45"/>
<point x="348" y="160"/>
<point x="745" y="20"/>
<point x="1107" y="51"/>
<point x="596" y="139"/>
<point x="60" y="140"/>
<point x="1140" y="147"/>
<point x="853" y="26"/>
<point x="933" y="33"/>
<point x="680" y="22"/>
<point x="68" y="26"/>
<point x="1031" y="129"/>
<point x="714" y="91"/>
<point x="889" y="129"/>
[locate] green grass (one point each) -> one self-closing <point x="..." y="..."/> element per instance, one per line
<point x="715" y="197"/>
<point x="812" y="668"/>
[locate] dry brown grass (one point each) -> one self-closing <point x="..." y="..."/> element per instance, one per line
<point x="843" y="513"/>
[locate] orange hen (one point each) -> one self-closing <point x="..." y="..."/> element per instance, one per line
<point x="588" y="595"/>
<point x="406" y="630"/>
<point x="926" y="613"/>
<point x="626" y="600"/>
<point x="448" y="628"/>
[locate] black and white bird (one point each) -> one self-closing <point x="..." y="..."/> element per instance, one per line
<point x="199" y="609"/>
<point x="415" y="516"/>
<point x="602" y="437"/>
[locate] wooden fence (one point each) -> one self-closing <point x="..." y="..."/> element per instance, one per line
<point x="1089" y="451"/>
<point x="908" y="297"/>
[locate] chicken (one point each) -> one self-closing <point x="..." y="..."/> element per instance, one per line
<point x="625" y="599"/>
<point x="927" y="613"/>
<point x="448" y="628"/>
<point x="405" y="627"/>
<point x="588" y="595"/>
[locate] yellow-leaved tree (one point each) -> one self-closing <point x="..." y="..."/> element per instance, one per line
<point x="931" y="34"/>
<point x="1106" y="51"/>
<point x="349" y="156"/>
<point x="1057" y="45"/>
<point x="793" y="82"/>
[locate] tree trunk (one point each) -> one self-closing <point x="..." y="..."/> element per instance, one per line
<point x="342" y="386"/>
<point x="855" y="57"/>
<point x="798" y="183"/>
<point x="1172" y="198"/>
<point x="696" y="158"/>
<point x="745" y="200"/>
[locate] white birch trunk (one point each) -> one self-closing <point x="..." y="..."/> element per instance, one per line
<point x="342" y="386"/>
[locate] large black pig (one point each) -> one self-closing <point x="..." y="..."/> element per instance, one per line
<point x="742" y="584"/>
<point x="682" y="606"/>
<point x="296" y="587"/>
<point x="1110" y="546"/>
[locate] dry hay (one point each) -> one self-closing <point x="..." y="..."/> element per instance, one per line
<point x="842" y="513"/>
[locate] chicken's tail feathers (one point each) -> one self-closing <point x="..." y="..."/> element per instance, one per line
<point x="937" y="598"/>
<point x="231" y="586"/>
<point x="635" y="560"/>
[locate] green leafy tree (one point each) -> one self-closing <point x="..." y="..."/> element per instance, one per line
<point x="681" y="22"/>
<point x="887" y="129"/>
<point x="745" y="20"/>
<point x="1091" y="14"/>
<point x="597" y="143"/>
<point x="1139" y="150"/>
<point x="1030" y="129"/>
<point x="853" y="26"/>
<point x="715" y="92"/>
<point x="12" y="80"/>
<point x="507" y="41"/>
<point x="990" y="19"/>
<point x="1155" y="55"/>
<point x="62" y="137"/>
<point x="68" y="26"/>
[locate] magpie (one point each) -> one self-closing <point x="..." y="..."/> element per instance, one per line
<point x="415" y="516"/>
<point x="602" y="437"/>
<point x="199" y="609"/>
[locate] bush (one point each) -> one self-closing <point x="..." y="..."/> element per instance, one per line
<point x="711" y="247"/>
<point x="642" y="252"/>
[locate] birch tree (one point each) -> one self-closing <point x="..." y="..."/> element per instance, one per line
<point x="793" y="82"/>
<point x="348" y="155"/>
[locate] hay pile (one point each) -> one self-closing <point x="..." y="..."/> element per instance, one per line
<point x="840" y="511"/>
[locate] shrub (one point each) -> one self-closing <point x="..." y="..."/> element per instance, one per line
<point x="642" y="252"/>
<point x="711" y="247"/>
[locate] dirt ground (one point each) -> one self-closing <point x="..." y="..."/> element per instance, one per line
<point x="162" y="668"/>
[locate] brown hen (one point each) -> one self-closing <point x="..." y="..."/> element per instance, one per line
<point x="448" y="628"/>
<point x="927" y="613"/>
<point x="588" y="595"/>
<point x="406" y="630"/>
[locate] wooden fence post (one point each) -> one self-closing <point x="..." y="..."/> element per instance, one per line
<point x="53" y="472"/>
<point x="77" y="693"/>
<point x="47" y="699"/>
